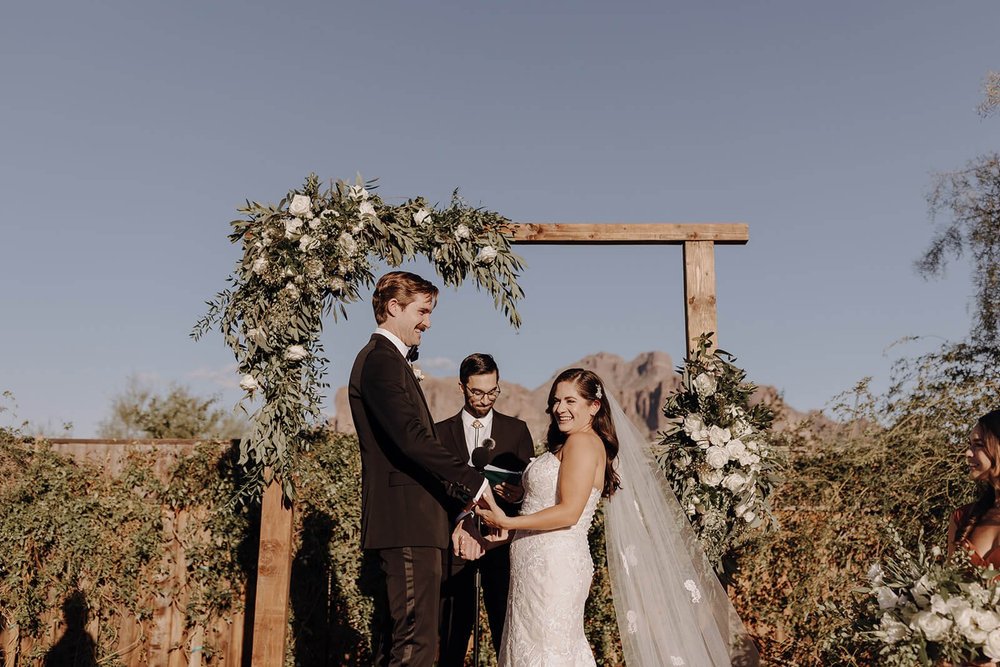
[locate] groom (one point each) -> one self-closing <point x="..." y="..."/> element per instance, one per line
<point x="405" y="472"/>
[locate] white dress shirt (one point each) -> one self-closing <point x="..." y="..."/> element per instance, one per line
<point x="395" y="340"/>
<point x="475" y="436"/>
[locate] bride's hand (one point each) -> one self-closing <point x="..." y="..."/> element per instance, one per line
<point x="491" y="514"/>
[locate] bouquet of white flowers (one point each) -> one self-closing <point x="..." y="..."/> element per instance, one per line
<point x="718" y="454"/>
<point x="923" y="609"/>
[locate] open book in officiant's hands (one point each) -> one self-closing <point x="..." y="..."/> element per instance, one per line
<point x="500" y="475"/>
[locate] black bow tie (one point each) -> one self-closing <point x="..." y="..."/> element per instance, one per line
<point x="413" y="354"/>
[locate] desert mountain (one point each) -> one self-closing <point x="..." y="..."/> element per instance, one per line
<point x="640" y="385"/>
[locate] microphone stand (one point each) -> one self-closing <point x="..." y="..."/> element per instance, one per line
<point x="478" y="584"/>
<point x="480" y="457"/>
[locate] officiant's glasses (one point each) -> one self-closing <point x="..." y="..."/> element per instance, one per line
<point x="479" y="394"/>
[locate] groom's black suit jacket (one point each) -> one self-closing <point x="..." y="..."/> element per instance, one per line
<point x="406" y="473"/>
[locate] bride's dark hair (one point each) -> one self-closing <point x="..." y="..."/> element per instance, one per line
<point x="990" y="425"/>
<point x="590" y="387"/>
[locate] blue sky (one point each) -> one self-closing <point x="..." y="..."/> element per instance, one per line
<point x="130" y="132"/>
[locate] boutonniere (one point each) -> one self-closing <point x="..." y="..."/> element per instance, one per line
<point x="419" y="374"/>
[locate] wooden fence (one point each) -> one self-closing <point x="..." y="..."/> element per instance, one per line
<point x="164" y="640"/>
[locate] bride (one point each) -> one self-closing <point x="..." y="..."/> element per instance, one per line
<point x="671" y="609"/>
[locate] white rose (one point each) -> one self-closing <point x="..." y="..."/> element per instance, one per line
<point x="957" y="606"/>
<point x="461" y="232"/>
<point x="887" y="599"/>
<point x="292" y="227"/>
<point x="752" y="445"/>
<point x="979" y="594"/>
<point x="717" y="457"/>
<point x="486" y="254"/>
<point x="260" y="265"/>
<point x="734" y="482"/>
<point x="705" y="384"/>
<point x="741" y="428"/>
<point x="748" y="459"/>
<point x="976" y="624"/>
<point x="736" y="449"/>
<point x="933" y="626"/>
<point x="249" y="383"/>
<point x="366" y="209"/>
<point x="892" y="630"/>
<point x="295" y="353"/>
<point x="749" y="517"/>
<point x="921" y="592"/>
<point x="307" y="243"/>
<point x="710" y="477"/>
<point x="875" y="574"/>
<point x="421" y="216"/>
<point x="987" y="620"/>
<point x="347" y="243"/>
<point x="314" y="224"/>
<point x="419" y="374"/>
<point x="693" y="424"/>
<point x="718" y="436"/>
<point x="991" y="647"/>
<point x="301" y="207"/>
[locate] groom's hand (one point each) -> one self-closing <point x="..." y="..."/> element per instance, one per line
<point x="466" y="541"/>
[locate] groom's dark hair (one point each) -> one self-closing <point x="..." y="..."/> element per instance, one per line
<point x="401" y="286"/>
<point x="478" y="363"/>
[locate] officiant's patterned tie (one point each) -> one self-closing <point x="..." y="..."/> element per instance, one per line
<point x="478" y="425"/>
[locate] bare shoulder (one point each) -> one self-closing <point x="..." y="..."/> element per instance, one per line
<point x="587" y="445"/>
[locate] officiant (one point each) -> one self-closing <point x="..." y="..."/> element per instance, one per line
<point x="483" y="437"/>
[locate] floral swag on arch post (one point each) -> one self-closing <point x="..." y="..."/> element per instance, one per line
<point x="306" y="258"/>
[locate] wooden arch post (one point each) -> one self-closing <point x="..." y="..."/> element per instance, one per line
<point x="274" y="571"/>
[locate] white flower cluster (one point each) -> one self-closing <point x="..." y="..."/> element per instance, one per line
<point x="718" y="454"/>
<point x="944" y="606"/>
<point x="730" y="459"/>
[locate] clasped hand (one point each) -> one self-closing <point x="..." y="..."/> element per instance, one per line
<point x="468" y="541"/>
<point x="491" y="514"/>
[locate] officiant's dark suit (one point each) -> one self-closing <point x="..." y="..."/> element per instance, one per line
<point x="406" y="472"/>
<point x="479" y="379"/>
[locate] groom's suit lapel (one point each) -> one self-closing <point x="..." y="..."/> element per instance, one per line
<point x="413" y="385"/>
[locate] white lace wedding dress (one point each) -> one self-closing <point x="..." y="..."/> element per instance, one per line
<point x="550" y="575"/>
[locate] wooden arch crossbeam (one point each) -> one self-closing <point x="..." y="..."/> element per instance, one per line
<point x="698" y="239"/>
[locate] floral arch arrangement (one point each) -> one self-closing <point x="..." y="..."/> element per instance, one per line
<point x="305" y="259"/>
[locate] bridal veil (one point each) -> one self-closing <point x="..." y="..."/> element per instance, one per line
<point x="671" y="607"/>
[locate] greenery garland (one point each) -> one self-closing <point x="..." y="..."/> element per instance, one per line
<point x="306" y="258"/>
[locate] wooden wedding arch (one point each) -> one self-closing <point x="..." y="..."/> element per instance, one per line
<point x="274" y="568"/>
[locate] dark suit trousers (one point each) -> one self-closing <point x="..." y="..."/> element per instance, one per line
<point x="409" y="625"/>
<point x="458" y="601"/>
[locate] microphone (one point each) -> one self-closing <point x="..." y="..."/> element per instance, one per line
<point x="481" y="454"/>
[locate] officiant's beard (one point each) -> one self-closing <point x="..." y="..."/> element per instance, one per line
<point x="480" y="407"/>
